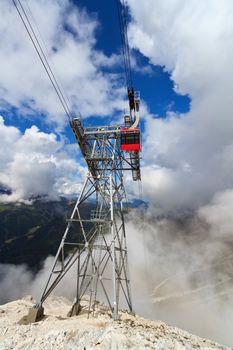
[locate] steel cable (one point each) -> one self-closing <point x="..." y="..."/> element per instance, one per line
<point x="125" y="42"/>
<point x="32" y="35"/>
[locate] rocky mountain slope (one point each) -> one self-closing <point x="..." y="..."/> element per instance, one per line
<point x="57" y="331"/>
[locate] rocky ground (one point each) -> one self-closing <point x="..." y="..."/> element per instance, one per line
<point x="57" y="331"/>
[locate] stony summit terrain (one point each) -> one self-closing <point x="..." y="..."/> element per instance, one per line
<point x="57" y="331"/>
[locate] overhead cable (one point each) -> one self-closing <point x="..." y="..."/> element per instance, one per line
<point x="46" y="50"/>
<point x="32" y="35"/>
<point x="122" y="17"/>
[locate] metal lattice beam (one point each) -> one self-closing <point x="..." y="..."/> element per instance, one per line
<point x="97" y="245"/>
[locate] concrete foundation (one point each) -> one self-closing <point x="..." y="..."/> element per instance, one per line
<point x="35" y="314"/>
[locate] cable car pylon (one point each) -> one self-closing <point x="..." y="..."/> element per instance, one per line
<point x="96" y="243"/>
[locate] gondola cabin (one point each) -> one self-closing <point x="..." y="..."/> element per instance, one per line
<point x="130" y="140"/>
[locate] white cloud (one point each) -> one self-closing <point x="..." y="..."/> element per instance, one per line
<point x="218" y="214"/>
<point x="8" y="136"/>
<point x="192" y="152"/>
<point x="70" y="36"/>
<point x="36" y="163"/>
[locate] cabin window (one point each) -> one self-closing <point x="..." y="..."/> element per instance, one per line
<point x="128" y="138"/>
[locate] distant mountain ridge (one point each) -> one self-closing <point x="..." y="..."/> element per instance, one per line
<point x="29" y="233"/>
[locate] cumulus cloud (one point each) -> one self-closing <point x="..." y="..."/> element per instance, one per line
<point x="35" y="163"/>
<point x="191" y="154"/>
<point x="187" y="168"/>
<point x="187" y="158"/>
<point x="69" y="34"/>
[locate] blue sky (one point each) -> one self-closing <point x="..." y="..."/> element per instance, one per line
<point x="155" y="86"/>
<point x="185" y="142"/>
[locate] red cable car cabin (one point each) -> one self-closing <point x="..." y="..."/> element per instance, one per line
<point x="130" y="140"/>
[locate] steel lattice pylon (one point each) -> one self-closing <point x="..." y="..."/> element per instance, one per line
<point x="98" y="241"/>
<point x="97" y="244"/>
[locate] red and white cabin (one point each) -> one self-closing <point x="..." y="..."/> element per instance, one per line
<point x="130" y="140"/>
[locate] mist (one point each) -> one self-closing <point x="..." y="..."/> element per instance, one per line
<point x="18" y="281"/>
<point x="181" y="272"/>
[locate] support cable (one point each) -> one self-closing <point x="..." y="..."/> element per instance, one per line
<point x="46" y="50"/>
<point x="127" y="46"/>
<point x="122" y="39"/>
<point x="32" y="35"/>
<point x="125" y="42"/>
